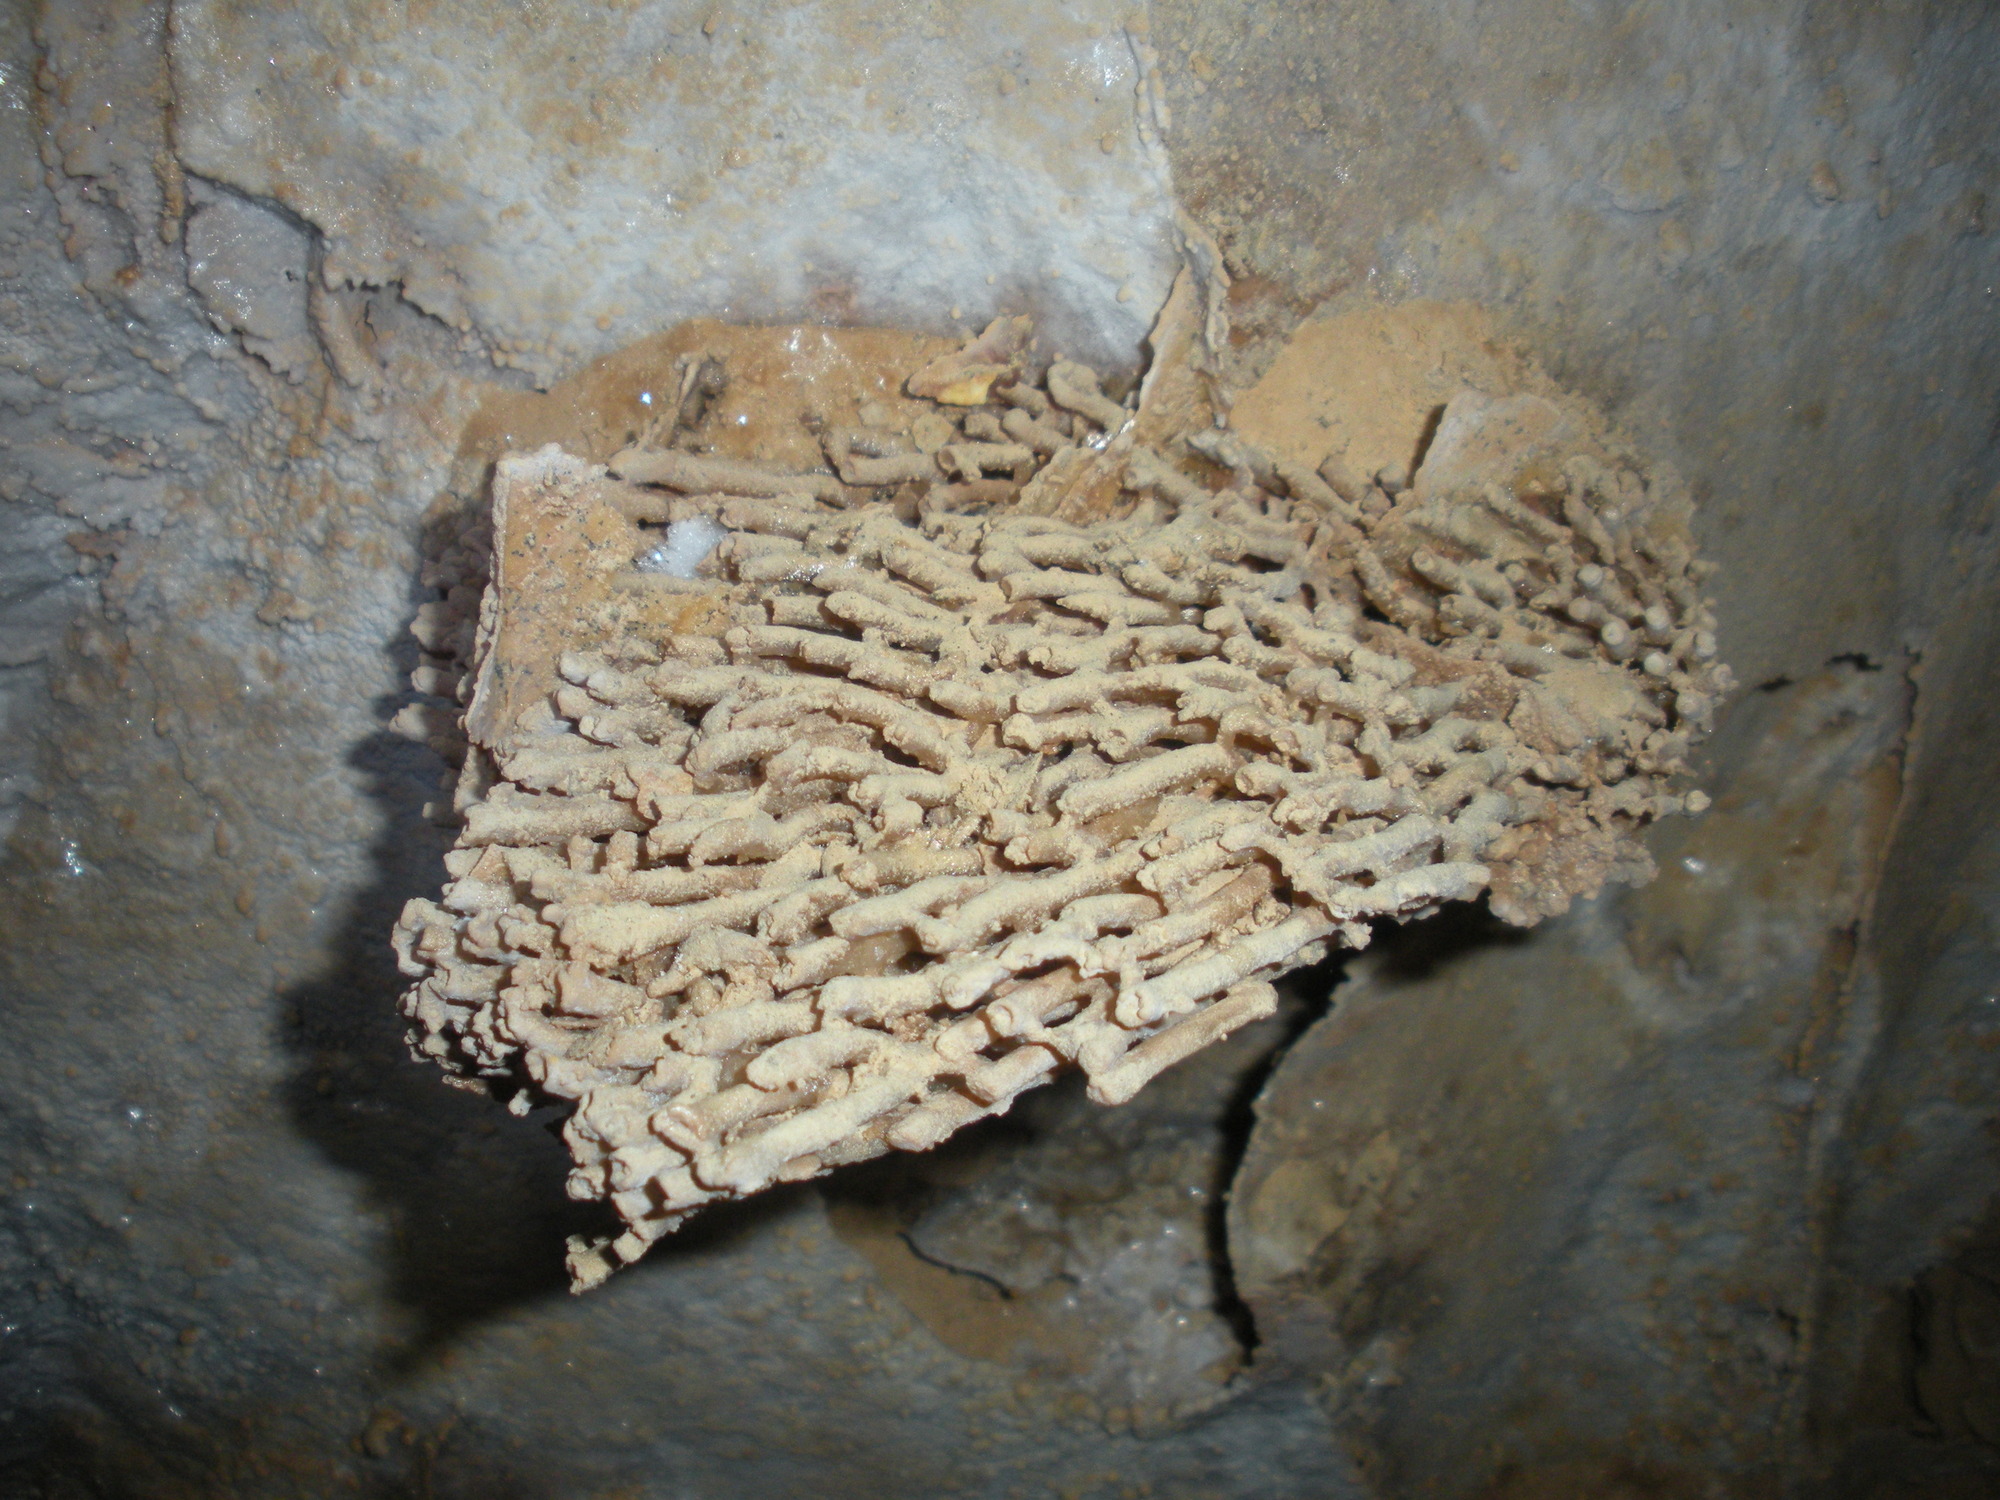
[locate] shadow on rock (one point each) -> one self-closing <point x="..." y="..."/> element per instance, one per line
<point x="473" y="1196"/>
<point x="476" y="1211"/>
<point x="1419" y="950"/>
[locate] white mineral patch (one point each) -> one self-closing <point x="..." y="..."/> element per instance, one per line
<point x="687" y="546"/>
<point x="248" y="266"/>
<point x="564" y="190"/>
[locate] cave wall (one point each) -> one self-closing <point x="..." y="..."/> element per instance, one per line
<point x="1738" y="1110"/>
<point x="1676" y="1204"/>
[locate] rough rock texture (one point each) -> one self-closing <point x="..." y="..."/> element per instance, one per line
<point x="567" y="183"/>
<point x="1702" y="216"/>
<point x="1705" y="218"/>
<point x="250" y="1249"/>
<point x="1366" y="1243"/>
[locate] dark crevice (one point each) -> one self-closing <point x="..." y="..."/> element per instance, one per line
<point x="1307" y="996"/>
<point x="1407" y="952"/>
<point x="1426" y="437"/>
<point x="1858" y="661"/>
<point x="1006" y="1293"/>
<point x="1417" y="950"/>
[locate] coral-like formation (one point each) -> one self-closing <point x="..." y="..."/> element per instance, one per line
<point x="1044" y="739"/>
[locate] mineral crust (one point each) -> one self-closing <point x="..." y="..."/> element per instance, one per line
<point x="1046" y="745"/>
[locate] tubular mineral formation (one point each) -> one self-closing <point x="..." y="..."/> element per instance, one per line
<point x="810" y="815"/>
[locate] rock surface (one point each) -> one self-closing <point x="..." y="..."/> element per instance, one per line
<point x="250" y="1249"/>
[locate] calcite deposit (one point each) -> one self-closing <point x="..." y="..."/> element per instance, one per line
<point x="1035" y="730"/>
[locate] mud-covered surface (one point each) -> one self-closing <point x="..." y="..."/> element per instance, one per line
<point x="1689" y="1193"/>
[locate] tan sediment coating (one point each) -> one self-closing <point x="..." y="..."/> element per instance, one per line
<point x="918" y="794"/>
